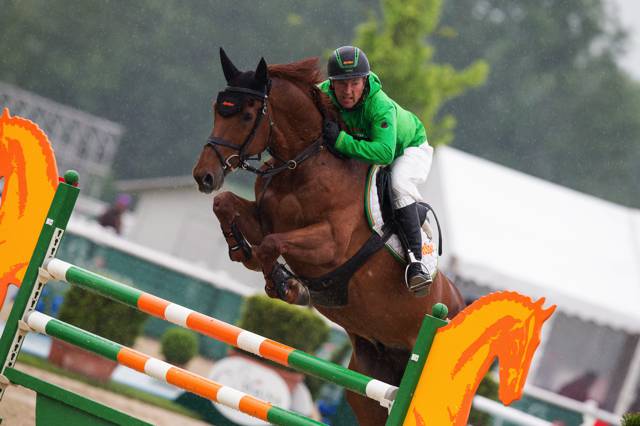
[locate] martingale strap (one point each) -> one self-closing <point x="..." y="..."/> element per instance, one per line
<point x="332" y="289"/>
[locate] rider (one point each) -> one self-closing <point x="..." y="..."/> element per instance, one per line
<point x="379" y="131"/>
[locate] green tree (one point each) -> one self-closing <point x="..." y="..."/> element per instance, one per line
<point x="398" y="51"/>
<point x="153" y="66"/>
<point x="556" y="104"/>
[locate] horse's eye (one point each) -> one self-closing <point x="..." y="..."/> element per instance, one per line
<point x="247" y="116"/>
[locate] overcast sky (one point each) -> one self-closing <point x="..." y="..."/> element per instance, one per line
<point x="630" y="14"/>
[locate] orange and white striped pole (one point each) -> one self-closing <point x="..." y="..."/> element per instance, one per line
<point x="222" y="331"/>
<point x="161" y="370"/>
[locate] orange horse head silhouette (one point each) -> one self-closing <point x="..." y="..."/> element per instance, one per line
<point x="30" y="174"/>
<point x="503" y="325"/>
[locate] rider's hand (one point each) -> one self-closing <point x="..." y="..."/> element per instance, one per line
<point x="330" y="132"/>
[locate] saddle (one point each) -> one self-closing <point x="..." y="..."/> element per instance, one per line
<point x="379" y="212"/>
<point x="332" y="289"/>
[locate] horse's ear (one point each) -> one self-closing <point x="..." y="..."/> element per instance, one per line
<point x="261" y="72"/>
<point x="230" y="71"/>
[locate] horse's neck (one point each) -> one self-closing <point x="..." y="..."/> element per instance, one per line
<point x="295" y="118"/>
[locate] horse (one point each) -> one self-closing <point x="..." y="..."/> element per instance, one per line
<point x="309" y="210"/>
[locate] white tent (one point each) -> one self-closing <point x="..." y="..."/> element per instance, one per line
<point x="508" y="230"/>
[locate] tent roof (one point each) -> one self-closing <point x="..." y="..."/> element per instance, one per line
<point x="508" y="230"/>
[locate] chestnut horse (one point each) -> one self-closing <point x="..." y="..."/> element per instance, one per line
<point x="310" y="211"/>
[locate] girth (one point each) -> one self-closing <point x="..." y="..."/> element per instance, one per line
<point x="332" y="288"/>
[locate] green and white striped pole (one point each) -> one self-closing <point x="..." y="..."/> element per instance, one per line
<point x="168" y="373"/>
<point x="222" y="331"/>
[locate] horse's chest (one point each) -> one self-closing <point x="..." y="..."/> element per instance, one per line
<point x="284" y="212"/>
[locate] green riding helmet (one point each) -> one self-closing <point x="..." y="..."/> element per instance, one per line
<point x="347" y="62"/>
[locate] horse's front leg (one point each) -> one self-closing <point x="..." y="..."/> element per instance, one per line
<point x="314" y="244"/>
<point x="239" y="222"/>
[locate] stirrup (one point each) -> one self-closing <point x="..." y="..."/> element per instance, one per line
<point x="419" y="284"/>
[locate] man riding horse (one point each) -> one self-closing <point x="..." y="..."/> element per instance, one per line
<point x="379" y="131"/>
<point x="312" y="208"/>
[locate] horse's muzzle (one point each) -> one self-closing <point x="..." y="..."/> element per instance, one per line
<point x="208" y="181"/>
<point x="208" y="172"/>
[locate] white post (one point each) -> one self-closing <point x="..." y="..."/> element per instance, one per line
<point x="498" y="410"/>
<point x="630" y="385"/>
<point x="589" y="418"/>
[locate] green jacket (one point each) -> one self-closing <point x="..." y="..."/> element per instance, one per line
<point x="378" y="129"/>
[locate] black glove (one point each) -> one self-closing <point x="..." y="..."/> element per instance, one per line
<point x="330" y="132"/>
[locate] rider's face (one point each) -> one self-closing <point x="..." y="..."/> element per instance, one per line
<point x="348" y="92"/>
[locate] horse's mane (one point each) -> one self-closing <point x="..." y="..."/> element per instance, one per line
<point x="306" y="74"/>
<point x="306" y="71"/>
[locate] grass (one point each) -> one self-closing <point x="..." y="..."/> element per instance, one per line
<point x="116" y="388"/>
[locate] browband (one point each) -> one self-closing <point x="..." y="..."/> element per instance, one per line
<point x="247" y="91"/>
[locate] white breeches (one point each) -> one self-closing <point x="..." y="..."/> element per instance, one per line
<point x="407" y="172"/>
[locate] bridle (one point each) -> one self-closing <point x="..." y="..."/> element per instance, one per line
<point x="241" y="154"/>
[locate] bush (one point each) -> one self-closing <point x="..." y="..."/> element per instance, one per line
<point x="300" y="328"/>
<point x="631" y="419"/>
<point x="179" y="346"/>
<point x="102" y="316"/>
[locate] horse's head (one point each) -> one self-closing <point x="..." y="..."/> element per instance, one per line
<point x="517" y="349"/>
<point x="240" y="128"/>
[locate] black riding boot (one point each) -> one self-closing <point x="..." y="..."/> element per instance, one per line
<point x="417" y="278"/>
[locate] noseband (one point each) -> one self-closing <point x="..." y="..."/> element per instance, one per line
<point x="229" y="108"/>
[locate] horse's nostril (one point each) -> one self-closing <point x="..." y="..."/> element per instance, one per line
<point x="208" y="180"/>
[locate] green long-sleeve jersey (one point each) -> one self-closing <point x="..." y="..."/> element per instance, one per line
<point x="378" y="129"/>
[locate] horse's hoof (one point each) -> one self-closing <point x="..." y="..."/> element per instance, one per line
<point x="270" y="290"/>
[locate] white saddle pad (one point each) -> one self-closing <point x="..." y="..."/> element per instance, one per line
<point x="373" y="212"/>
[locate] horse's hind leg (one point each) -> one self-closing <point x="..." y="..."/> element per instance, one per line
<point x="239" y="222"/>
<point x="380" y="363"/>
